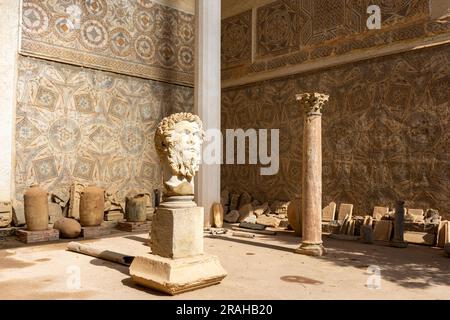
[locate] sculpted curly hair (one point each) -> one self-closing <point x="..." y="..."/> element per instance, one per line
<point x="165" y="145"/>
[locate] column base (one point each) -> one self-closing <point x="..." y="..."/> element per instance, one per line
<point x="175" y="276"/>
<point x="311" y="249"/>
<point x="398" y="244"/>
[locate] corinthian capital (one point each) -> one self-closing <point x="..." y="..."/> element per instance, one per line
<point x="312" y="103"/>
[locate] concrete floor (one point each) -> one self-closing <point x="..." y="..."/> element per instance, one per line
<point x="261" y="268"/>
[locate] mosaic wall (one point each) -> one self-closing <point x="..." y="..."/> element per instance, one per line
<point x="292" y="32"/>
<point x="134" y="37"/>
<point x="385" y="132"/>
<point x="90" y="126"/>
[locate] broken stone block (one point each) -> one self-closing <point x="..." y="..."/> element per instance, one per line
<point x="284" y="223"/>
<point x="261" y="209"/>
<point x="329" y="212"/>
<point x="134" y="226"/>
<point x="18" y="216"/>
<point x="68" y="228"/>
<point x="234" y="201"/>
<point x="279" y="207"/>
<point x="270" y="221"/>
<point x="250" y="219"/>
<point x="114" y="215"/>
<point x="252" y="226"/>
<point x="245" y="211"/>
<point x="244" y="199"/>
<point x="345" y="209"/>
<point x="379" y="212"/>
<point x="432" y="216"/>
<point x="428" y="239"/>
<point x="383" y="230"/>
<point x="54" y="212"/>
<point x="75" y="195"/>
<point x="61" y="196"/>
<point x="232" y="217"/>
<point x="5" y="214"/>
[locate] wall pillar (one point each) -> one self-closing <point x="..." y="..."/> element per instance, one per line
<point x="9" y="39"/>
<point x="207" y="95"/>
<point x="312" y="104"/>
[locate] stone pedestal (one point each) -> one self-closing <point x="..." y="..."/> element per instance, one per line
<point x="177" y="263"/>
<point x="37" y="236"/>
<point x="312" y="104"/>
<point x="134" y="226"/>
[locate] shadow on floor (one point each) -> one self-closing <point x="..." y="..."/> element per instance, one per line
<point x="416" y="267"/>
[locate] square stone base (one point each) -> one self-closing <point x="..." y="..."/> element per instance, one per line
<point x="94" y="232"/>
<point x="174" y="276"/>
<point x="135" y="226"/>
<point x="37" y="236"/>
<point x="177" y="232"/>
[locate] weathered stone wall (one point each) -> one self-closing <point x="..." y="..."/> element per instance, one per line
<point x="385" y="131"/>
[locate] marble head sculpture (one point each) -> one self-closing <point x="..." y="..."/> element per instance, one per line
<point x="178" y="141"/>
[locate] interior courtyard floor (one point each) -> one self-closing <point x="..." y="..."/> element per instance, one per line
<point x="261" y="268"/>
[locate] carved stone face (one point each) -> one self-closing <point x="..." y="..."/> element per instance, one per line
<point x="187" y="141"/>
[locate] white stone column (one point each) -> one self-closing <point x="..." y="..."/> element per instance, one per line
<point x="9" y="40"/>
<point x="207" y="95"/>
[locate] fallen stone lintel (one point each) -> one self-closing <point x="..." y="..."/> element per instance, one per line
<point x="265" y="232"/>
<point x="252" y="226"/>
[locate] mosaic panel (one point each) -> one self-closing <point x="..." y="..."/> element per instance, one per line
<point x="90" y="126"/>
<point x="293" y="32"/>
<point x="237" y="39"/>
<point x="135" y="37"/>
<point x="385" y="132"/>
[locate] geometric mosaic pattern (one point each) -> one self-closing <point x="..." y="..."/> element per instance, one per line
<point x="90" y="126"/>
<point x="236" y="39"/>
<point x="134" y="37"/>
<point x="385" y="132"/>
<point x="293" y="32"/>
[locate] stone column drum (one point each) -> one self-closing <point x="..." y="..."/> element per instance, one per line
<point x="312" y="104"/>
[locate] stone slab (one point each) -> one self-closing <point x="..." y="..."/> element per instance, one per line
<point x="442" y="234"/>
<point x="345" y="210"/>
<point x="37" y="236"/>
<point x="329" y="212"/>
<point x="421" y="227"/>
<point x="94" y="232"/>
<point x="177" y="232"/>
<point x="175" y="276"/>
<point x="422" y="238"/>
<point x="134" y="226"/>
<point x="252" y="226"/>
<point x="379" y="212"/>
<point x="383" y="230"/>
<point x="265" y="232"/>
<point x="114" y="216"/>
